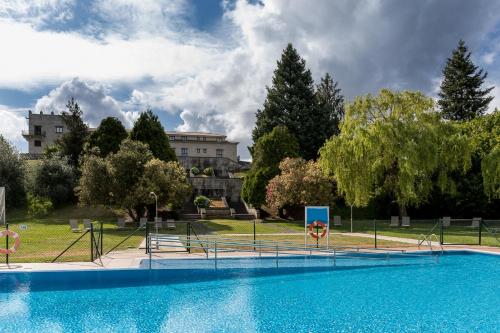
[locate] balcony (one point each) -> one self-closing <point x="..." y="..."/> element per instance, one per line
<point x="33" y="134"/>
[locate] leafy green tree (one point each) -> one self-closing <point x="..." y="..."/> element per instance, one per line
<point x="485" y="134"/>
<point x="461" y="96"/>
<point x="148" y="129"/>
<point x="72" y="142"/>
<point x="300" y="183"/>
<point x="108" y="136"/>
<point x="254" y="186"/>
<point x="126" y="179"/>
<point x="330" y="104"/>
<point x="290" y="101"/>
<point x="268" y="152"/>
<point x="12" y="174"/>
<point x="273" y="147"/>
<point x="394" y="143"/>
<point x="55" y="179"/>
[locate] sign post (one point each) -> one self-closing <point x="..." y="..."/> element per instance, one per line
<point x="316" y="216"/>
<point x="2" y="205"/>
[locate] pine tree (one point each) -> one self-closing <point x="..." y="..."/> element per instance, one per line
<point x="330" y="105"/>
<point x="290" y="101"/>
<point x="461" y="96"/>
<point x="71" y="143"/>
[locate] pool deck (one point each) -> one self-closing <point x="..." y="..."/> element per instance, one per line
<point x="131" y="259"/>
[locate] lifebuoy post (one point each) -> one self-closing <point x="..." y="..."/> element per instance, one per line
<point x="317" y="217"/>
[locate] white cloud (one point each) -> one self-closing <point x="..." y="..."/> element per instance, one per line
<point x="93" y="98"/>
<point x="217" y="83"/>
<point x="12" y="122"/>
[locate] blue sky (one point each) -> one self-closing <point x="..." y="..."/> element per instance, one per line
<point x="203" y="65"/>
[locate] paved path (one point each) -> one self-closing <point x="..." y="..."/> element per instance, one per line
<point x="390" y="238"/>
<point x="174" y="242"/>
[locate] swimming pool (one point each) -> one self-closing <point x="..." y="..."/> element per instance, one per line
<point x="461" y="293"/>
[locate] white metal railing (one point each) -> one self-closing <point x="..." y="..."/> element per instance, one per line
<point x="428" y="239"/>
<point x="265" y="247"/>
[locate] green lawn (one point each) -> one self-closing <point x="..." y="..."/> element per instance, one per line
<point x="45" y="238"/>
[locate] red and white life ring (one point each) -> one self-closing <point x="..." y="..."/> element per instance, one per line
<point x="317" y="224"/>
<point x="17" y="241"/>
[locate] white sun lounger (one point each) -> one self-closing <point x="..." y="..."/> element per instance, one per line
<point x="394" y="221"/>
<point x="337" y="221"/>
<point x="120" y="223"/>
<point x="170" y="224"/>
<point x="86" y="224"/>
<point x="405" y="221"/>
<point x="73" y="223"/>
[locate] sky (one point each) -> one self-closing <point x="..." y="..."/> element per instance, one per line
<point x="203" y="65"/>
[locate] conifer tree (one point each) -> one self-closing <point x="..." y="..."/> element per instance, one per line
<point x="461" y="96"/>
<point x="71" y="143"/>
<point x="290" y="101"/>
<point x="330" y="103"/>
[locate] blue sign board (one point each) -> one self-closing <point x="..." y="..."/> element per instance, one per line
<point x="317" y="213"/>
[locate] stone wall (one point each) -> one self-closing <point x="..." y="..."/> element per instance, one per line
<point x="220" y="165"/>
<point x="217" y="187"/>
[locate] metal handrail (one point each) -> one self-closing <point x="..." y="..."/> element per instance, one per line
<point x="267" y="244"/>
<point x="428" y="239"/>
<point x="224" y="246"/>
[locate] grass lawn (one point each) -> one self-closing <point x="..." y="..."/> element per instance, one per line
<point x="45" y="238"/>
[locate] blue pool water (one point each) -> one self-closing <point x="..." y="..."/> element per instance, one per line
<point x="460" y="293"/>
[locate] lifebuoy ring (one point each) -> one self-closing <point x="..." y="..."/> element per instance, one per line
<point x="17" y="241"/>
<point x="318" y="224"/>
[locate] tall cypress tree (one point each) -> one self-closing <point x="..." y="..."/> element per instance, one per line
<point x="461" y="96"/>
<point x="330" y="103"/>
<point x="290" y="101"/>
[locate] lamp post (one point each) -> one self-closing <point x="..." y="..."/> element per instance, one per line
<point x="153" y="194"/>
<point x="351" y="218"/>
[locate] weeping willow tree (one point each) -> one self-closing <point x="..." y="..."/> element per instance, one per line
<point x="394" y="143"/>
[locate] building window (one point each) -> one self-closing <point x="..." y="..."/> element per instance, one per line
<point x="204" y="138"/>
<point x="38" y="143"/>
<point x="184" y="151"/>
<point x="38" y="130"/>
<point x="219" y="152"/>
<point x="197" y="138"/>
<point x="198" y="150"/>
<point x="219" y="139"/>
<point x="184" y="138"/>
<point x="204" y="150"/>
<point x="59" y="129"/>
<point x="172" y="138"/>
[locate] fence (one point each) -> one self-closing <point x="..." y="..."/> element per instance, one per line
<point x="49" y="240"/>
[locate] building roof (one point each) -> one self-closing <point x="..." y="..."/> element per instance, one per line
<point x="195" y="133"/>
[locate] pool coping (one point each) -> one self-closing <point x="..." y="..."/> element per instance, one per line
<point x="90" y="266"/>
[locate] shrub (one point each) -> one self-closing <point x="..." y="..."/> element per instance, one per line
<point x="38" y="206"/>
<point x="208" y="171"/>
<point x="202" y="201"/>
<point x="195" y="171"/>
<point x="55" y="179"/>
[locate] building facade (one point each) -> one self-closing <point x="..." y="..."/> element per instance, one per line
<point x="203" y="150"/>
<point x="43" y="130"/>
<point x="193" y="149"/>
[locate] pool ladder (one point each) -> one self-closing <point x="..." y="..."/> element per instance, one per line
<point x="428" y="239"/>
